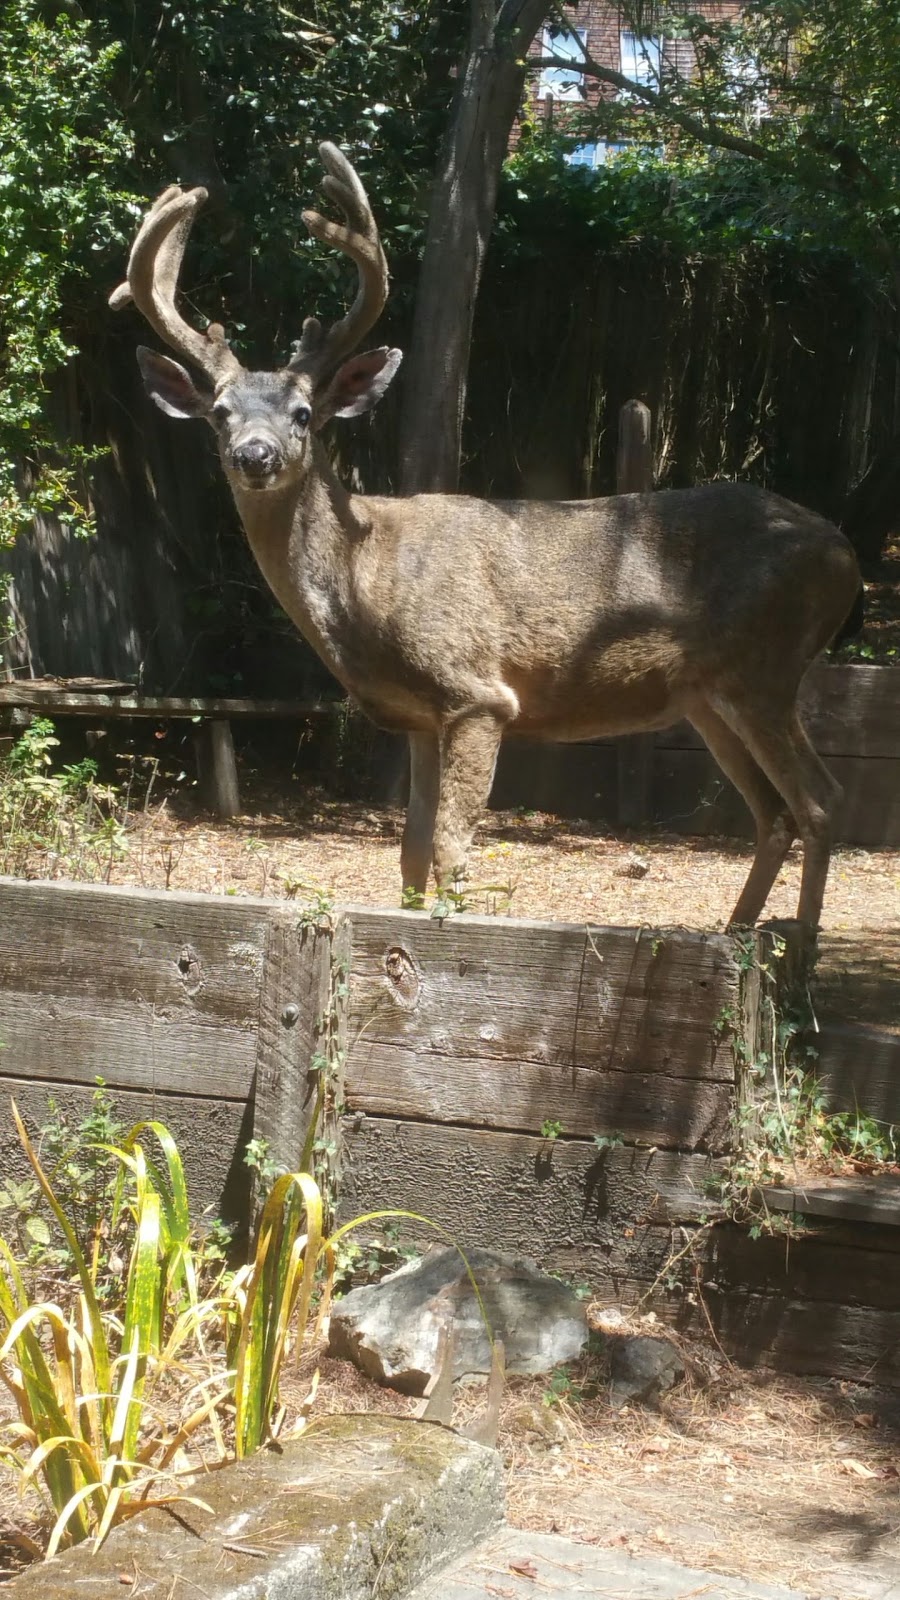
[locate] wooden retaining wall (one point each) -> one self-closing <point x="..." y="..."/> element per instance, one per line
<point x="484" y="1060"/>
<point x="852" y="714"/>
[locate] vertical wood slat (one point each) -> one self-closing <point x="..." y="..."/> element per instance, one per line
<point x="297" y="995"/>
<point x="634" y="475"/>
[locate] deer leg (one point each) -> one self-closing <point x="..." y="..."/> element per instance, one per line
<point x="418" y="831"/>
<point x="469" y="748"/>
<point x="793" y="768"/>
<point x="827" y="794"/>
<point x="776" y="829"/>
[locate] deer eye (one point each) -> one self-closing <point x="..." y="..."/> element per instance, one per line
<point x="301" y="418"/>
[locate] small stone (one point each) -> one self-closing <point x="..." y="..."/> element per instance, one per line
<point x="633" y="866"/>
<point x="643" y="1368"/>
<point x="392" y="1329"/>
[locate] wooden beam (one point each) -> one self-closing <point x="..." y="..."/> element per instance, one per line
<point x="301" y="1031"/>
<point x="217" y="767"/>
<point x="634" y="475"/>
<point x="23" y="695"/>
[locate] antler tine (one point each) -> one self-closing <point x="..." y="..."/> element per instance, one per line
<point x="152" y="281"/>
<point x="359" y="240"/>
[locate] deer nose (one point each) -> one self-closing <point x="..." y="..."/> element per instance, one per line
<point x="255" y="458"/>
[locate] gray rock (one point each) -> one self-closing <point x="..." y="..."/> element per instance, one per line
<point x="643" y="1368"/>
<point x="392" y="1329"/>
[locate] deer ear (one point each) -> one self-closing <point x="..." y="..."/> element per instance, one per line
<point x="171" y="386"/>
<point x="358" y="385"/>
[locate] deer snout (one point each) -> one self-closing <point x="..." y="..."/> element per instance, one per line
<point x="255" y="458"/>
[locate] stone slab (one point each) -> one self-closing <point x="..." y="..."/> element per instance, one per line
<point x="358" y="1506"/>
<point x="516" y="1563"/>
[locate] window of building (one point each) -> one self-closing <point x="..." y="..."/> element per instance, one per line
<point x="746" y="83"/>
<point x="594" y="155"/>
<point x="564" y="83"/>
<point x="640" y="57"/>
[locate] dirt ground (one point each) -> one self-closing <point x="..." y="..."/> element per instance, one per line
<point x="785" y="1480"/>
<point x="790" y="1480"/>
<point x="527" y="865"/>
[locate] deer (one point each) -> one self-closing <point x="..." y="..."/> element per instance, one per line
<point x="458" y="620"/>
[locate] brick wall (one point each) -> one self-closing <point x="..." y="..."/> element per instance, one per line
<point x="602" y="23"/>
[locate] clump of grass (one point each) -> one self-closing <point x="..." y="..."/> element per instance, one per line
<point x="56" y="819"/>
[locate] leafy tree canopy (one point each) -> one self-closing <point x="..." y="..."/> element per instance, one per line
<point x="102" y="104"/>
<point x="795" y="108"/>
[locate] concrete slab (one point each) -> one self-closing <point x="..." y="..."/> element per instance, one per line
<point x="357" y="1506"/>
<point x="514" y="1563"/>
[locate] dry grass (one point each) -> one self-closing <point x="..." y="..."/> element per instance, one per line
<point x="780" y="1479"/>
<point x="559" y="870"/>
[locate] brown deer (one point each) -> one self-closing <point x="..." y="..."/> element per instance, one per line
<point x="458" y="619"/>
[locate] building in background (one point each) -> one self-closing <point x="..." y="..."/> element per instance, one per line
<point x="598" y="29"/>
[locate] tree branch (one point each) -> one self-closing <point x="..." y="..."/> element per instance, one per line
<point x="706" y="133"/>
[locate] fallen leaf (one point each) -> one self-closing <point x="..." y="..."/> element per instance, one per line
<point x="524" y="1568"/>
<point x="655" y="1447"/>
<point x="865" y="1419"/>
<point x="857" y="1468"/>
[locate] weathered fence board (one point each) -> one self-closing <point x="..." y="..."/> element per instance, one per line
<point x="859" y="1066"/>
<point x="511" y="1024"/>
<point x="297" y="996"/>
<point x="853" y="717"/>
<point x="144" y="990"/>
<point x="562" y="1202"/>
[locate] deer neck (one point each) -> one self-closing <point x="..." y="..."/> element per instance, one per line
<point x="303" y="538"/>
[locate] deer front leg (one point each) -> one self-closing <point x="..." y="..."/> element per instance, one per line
<point x="468" y="746"/>
<point x="418" y="832"/>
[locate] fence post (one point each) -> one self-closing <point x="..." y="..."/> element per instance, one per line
<point x="634" y="457"/>
<point x="301" y="1031"/>
<point x="634" y="475"/>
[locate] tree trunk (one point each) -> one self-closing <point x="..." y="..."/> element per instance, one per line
<point x="459" y="225"/>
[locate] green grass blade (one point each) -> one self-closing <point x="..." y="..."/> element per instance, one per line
<point x="101" y="1358"/>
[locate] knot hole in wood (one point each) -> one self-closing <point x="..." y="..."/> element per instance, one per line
<point x="188" y="965"/>
<point x="403" y="977"/>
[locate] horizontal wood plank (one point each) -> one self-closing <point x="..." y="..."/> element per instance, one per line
<point x="22" y="695"/>
<point x="551" y="1200"/>
<point x="146" y="990"/>
<point x="558" y="995"/>
<point x="850" y="1199"/>
<point x="669" y="1112"/>
<point x="858" y="1066"/>
<point x="211" y="1136"/>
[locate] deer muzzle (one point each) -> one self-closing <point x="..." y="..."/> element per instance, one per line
<point x="256" y="459"/>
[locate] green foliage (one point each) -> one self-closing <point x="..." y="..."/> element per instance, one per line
<point x="63" y="144"/>
<point x="607" y="1141"/>
<point x="776" y="127"/>
<point x="86" y="1383"/>
<point x="50" y="818"/>
<point x="551" y="1129"/>
<point x="102" y="105"/>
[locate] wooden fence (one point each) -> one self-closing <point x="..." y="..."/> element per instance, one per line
<point x="562" y="1091"/>
<point x="853" y="717"/>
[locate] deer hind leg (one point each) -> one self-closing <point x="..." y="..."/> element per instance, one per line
<point x="469" y="746"/>
<point x="776" y="829"/>
<point x="418" y="831"/>
<point x="804" y="782"/>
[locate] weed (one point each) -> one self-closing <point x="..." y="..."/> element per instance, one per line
<point x="607" y="1141"/>
<point x="56" y="822"/>
<point x="551" y="1129"/>
<point x="317" y="911"/>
